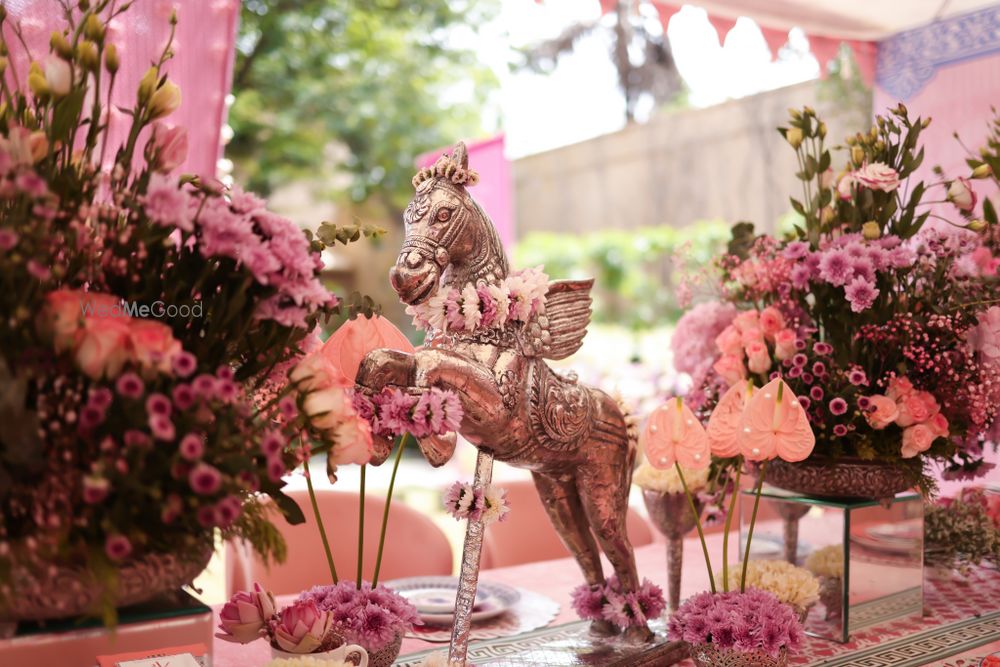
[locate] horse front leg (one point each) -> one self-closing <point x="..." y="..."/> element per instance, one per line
<point x="379" y="369"/>
<point x="473" y="383"/>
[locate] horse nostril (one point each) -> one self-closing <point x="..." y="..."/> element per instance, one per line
<point x="414" y="260"/>
<point x="395" y="278"/>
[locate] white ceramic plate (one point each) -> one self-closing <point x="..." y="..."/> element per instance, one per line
<point x="434" y="598"/>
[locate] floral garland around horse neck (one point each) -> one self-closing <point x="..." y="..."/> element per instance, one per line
<point x="480" y="307"/>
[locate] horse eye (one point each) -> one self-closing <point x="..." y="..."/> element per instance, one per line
<point x="444" y="215"/>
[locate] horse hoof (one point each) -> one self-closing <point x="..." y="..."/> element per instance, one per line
<point x="639" y="634"/>
<point x="603" y="628"/>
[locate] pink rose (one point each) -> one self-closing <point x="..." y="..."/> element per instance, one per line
<point x="784" y="344"/>
<point x="758" y="358"/>
<point x="899" y="388"/>
<point x="328" y="408"/>
<point x="877" y="176"/>
<point x="749" y="319"/>
<point x="984" y="338"/>
<point x="912" y="410"/>
<point x="730" y="368"/>
<point x="931" y="406"/>
<point x="302" y="627"/>
<point x="730" y="341"/>
<point x="243" y="618"/>
<point x="354" y="442"/>
<point x="939" y="425"/>
<point x="749" y="336"/>
<point x="961" y="194"/>
<point x="844" y="187"/>
<point x="771" y="321"/>
<point x="153" y="345"/>
<point x="101" y="346"/>
<point x="315" y="372"/>
<point x="167" y="146"/>
<point x="916" y="439"/>
<point x="64" y="311"/>
<point x="884" y="411"/>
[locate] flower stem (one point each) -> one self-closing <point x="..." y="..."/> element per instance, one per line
<point x="361" y="526"/>
<point x="697" y="523"/>
<point x="388" y="500"/>
<point x="319" y="524"/>
<point x="729" y="522"/>
<point x="753" y="520"/>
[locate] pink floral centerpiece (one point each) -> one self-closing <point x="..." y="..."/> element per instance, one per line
<point x="143" y="312"/>
<point x="884" y="324"/>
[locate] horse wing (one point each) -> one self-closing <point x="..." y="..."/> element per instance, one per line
<point x="564" y="322"/>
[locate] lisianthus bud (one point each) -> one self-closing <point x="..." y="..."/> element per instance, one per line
<point x="857" y="155"/>
<point x="60" y="45"/>
<point x="871" y="230"/>
<point x="901" y="109"/>
<point x="961" y="194"/>
<point x="925" y="122"/>
<point x="3" y="64"/>
<point x="827" y="215"/>
<point x="808" y="110"/>
<point x="165" y="100"/>
<point x="977" y="225"/>
<point x="36" y="81"/>
<point x="982" y="171"/>
<point x="93" y="28"/>
<point x="111" y="60"/>
<point x="794" y="137"/>
<point x="794" y="113"/>
<point x="822" y="130"/>
<point x="87" y="54"/>
<point x="148" y="84"/>
<point x="873" y="133"/>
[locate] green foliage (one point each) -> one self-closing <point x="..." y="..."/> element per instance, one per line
<point x="636" y="270"/>
<point x="357" y="86"/>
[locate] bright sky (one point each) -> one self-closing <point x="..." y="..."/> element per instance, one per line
<point x="580" y="99"/>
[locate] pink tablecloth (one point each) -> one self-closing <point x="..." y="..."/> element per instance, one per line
<point x="944" y="605"/>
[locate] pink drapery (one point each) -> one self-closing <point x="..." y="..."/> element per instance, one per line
<point x="202" y="67"/>
<point x="495" y="191"/>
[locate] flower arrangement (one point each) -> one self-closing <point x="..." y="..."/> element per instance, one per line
<point x="515" y="299"/>
<point x="142" y="311"/>
<point x="747" y="425"/>
<point x="960" y="533"/>
<point x="753" y="621"/>
<point x="792" y="585"/>
<point x="372" y="616"/>
<point x="463" y="501"/>
<point x="827" y="561"/>
<point x="882" y="323"/>
<point x="607" y="602"/>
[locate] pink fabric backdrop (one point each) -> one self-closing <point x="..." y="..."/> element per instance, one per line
<point x="495" y="192"/>
<point x="202" y="67"/>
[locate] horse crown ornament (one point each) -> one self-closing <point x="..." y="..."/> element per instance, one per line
<point x="574" y="439"/>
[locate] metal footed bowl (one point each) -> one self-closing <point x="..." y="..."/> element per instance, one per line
<point x="708" y="655"/>
<point x="66" y="591"/>
<point x="385" y="656"/>
<point x="848" y="478"/>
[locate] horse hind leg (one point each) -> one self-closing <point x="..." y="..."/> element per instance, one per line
<point x="604" y="487"/>
<point x="562" y="503"/>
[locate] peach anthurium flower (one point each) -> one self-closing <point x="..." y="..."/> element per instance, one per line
<point x="674" y="435"/>
<point x="724" y="424"/>
<point x="349" y="344"/>
<point x="775" y="425"/>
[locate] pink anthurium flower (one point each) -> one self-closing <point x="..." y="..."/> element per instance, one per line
<point x="775" y="425"/>
<point x="724" y="424"/>
<point x="674" y="435"/>
<point x="349" y="344"/>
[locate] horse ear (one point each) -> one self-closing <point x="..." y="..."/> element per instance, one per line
<point x="461" y="155"/>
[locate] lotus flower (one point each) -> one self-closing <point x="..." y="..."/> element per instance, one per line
<point x="302" y="627"/>
<point x="245" y="615"/>
<point x="775" y="425"/>
<point x="349" y="344"/>
<point x="724" y="424"/>
<point x="674" y="435"/>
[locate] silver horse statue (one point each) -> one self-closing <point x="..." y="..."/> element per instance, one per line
<point x="573" y="438"/>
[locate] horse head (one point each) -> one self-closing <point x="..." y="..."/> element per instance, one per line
<point x="449" y="238"/>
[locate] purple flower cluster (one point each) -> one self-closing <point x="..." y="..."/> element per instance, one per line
<point x="239" y="227"/>
<point x="394" y="412"/>
<point x="368" y="616"/>
<point x="610" y="603"/>
<point x="750" y="621"/>
<point x="850" y="262"/>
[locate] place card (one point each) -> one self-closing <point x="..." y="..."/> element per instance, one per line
<point x="177" y="660"/>
<point x="192" y="655"/>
